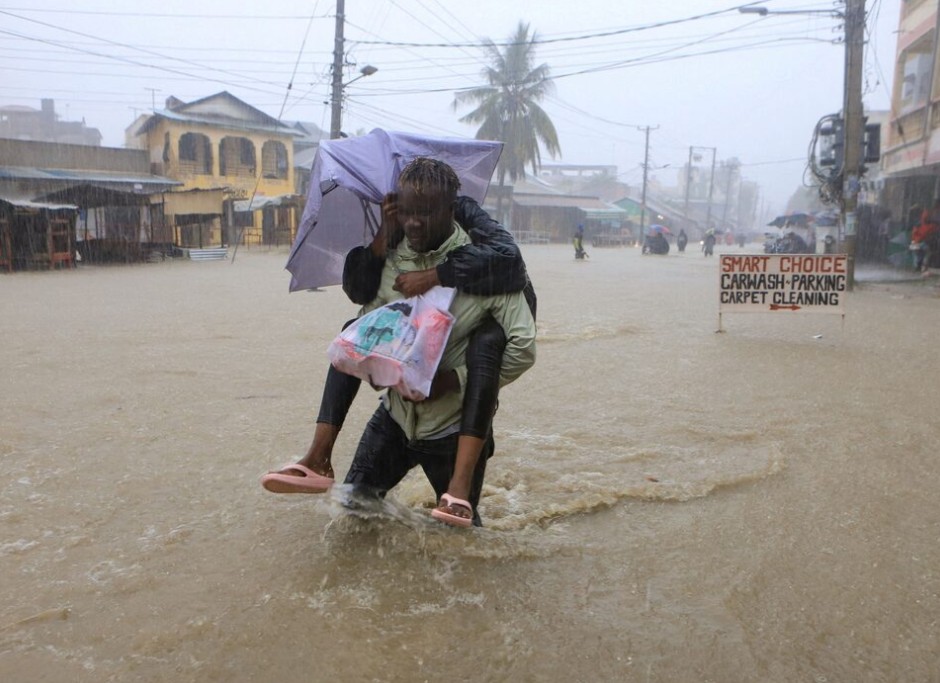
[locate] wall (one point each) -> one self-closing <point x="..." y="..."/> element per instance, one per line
<point x="34" y="154"/>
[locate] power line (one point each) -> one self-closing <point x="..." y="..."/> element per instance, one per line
<point x="588" y="36"/>
<point x="123" y="45"/>
<point x="158" y="15"/>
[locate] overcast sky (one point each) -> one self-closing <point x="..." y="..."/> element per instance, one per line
<point x="751" y="87"/>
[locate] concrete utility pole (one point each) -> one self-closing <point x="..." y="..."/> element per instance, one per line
<point x="688" y="185"/>
<point x="336" y="98"/>
<point x="732" y="170"/>
<point x="711" y="190"/>
<point x="646" y="165"/>
<point x="854" y="127"/>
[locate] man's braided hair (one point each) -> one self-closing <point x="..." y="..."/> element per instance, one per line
<point x="427" y="176"/>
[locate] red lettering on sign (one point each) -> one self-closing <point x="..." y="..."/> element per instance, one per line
<point x="812" y="264"/>
<point x="744" y="264"/>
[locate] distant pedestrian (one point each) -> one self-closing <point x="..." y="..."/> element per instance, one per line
<point x="681" y="240"/>
<point x="924" y="238"/>
<point x="578" y="241"/>
<point x="708" y="244"/>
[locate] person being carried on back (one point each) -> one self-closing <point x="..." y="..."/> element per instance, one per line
<point x="484" y="263"/>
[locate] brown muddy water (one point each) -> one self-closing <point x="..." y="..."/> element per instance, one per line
<point x="666" y="503"/>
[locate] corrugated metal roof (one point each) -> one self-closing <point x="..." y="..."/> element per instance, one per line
<point x="27" y="204"/>
<point x="304" y="158"/>
<point x="75" y="175"/>
<point x="587" y="204"/>
<point x="261" y="201"/>
<point x="227" y="124"/>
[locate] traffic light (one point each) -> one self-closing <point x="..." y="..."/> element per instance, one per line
<point x="832" y="142"/>
<point x="871" y="148"/>
<point x="832" y="139"/>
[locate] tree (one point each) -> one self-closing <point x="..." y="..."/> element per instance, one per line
<point x="507" y="108"/>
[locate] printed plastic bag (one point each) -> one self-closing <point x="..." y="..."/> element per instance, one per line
<point x="398" y="345"/>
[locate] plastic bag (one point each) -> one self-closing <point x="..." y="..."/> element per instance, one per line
<point x="398" y="345"/>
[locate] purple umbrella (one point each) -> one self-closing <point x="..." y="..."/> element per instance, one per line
<point x="347" y="183"/>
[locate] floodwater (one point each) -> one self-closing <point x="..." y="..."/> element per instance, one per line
<point x="666" y="503"/>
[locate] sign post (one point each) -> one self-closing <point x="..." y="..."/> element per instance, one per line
<point x="776" y="283"/>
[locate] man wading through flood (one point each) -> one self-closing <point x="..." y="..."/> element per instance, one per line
<point x="430" y="433"/>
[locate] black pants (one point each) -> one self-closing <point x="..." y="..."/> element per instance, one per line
<point x="484" y="359"/>
<point x="385" y="455"/>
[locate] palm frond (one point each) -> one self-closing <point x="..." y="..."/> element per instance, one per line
<point x="508" y="108"/>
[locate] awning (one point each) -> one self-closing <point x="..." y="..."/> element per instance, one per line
<point x="566" y="202"/>
<point x="46" y="206"/>
<point x="136" y="182"/>
<point x="260" y="201"/>
<point x="92" y="196"/>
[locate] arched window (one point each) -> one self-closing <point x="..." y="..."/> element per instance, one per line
<point x="195" y="153"/>
<point x="237" y="157"/>
<point x="274" y="160"/>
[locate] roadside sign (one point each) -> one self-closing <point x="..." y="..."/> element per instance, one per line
<point x="773" y="283"/>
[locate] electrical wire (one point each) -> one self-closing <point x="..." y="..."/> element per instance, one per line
<point x="300" y="54"/>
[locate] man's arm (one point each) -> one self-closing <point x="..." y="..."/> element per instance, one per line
<point x="491" y="265"/>
<point x="362" y="270"/>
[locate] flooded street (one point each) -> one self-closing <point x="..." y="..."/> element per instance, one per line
<point x="665" y="503"/>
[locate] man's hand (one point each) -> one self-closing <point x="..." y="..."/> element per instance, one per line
<point x="445" y="381"/>
<point x="390" y="232"/>
<point x="417" y="282"/>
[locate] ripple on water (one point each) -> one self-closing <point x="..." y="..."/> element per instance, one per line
<point x="556" y="476"/>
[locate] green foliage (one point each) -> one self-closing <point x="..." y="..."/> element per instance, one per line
<point x="507" y="108"/>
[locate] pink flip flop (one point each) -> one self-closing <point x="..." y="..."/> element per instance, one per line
<point x="448" y="518"/>
<point x="310" y="482"/>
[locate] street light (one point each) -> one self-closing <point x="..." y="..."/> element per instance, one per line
<point x="763" y="11"/>
<point x="337" y="99"/>
<point x="367" y="70"/>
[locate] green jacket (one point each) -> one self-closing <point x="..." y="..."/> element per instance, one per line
<point x="431" y="418"/>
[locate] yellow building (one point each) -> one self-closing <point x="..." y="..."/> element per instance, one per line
<point x="236" y="167"/>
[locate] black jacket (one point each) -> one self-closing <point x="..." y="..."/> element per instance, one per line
<point x="492" y="264"/>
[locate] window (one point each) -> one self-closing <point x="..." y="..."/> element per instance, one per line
<point x="195" y="153"/>
<point x="237" y="157"/>
<point x="274" y="160"/>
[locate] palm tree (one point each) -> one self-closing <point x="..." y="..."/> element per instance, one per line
<point x="508" y="107"/>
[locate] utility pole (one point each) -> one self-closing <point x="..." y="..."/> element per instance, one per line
<point x="646" y="165"/>
<point x="711" y="190"/>
<point x="853" y="137"/>
<point x="336" y="99"/>
<point x="688" y="185"/>
<point x="732" y="167"/>
<point x="854" y="127"/>
<point x="153" y="99"/>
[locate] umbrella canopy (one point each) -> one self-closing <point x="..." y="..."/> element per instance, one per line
<point x="826" y="219"/>
<point x="660" y="229"/>
<point x="902" y="238"/>
<point x="347" y="183"/>
<point x="801" y="220"/>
